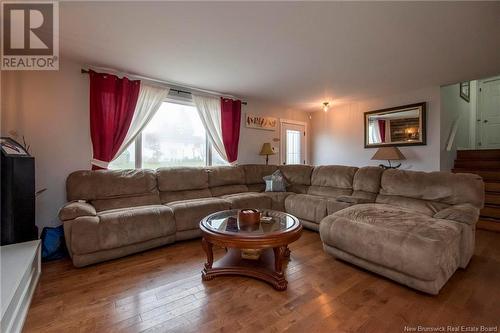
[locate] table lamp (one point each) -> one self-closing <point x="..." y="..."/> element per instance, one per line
<point x="389" y="154"/>
<point x="266" y="150"/>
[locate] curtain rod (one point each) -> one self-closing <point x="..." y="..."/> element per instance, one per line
<point x="85" y="71"/>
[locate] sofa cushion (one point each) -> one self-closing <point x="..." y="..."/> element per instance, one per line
<point x="327" y="191"/>
<point x="189" y="213"/>
<point x="75" y="209"/>
<point x="225" y="175"/>
<point x="353" y="200"/>
<point x="224" y="180"/>
<point x="256" y="187"/>
<point x="182" y="183"/>
<point x="227" y="189"/>
<point x="166" y="197"/>
<point x="120" y="227"/>
<point x="307" y="207"/>
<point x="463" y="213"/>
<point x="297" y="188"/>
<point x="102" y="184"/>
<point x="421" y="206"/>
<point x="333" y="205"/>
<point x="397" y="238"/>
<point x="278" y="199"/>
<point x="255" y="172"/>
<point x="367" y="179"/>
<point x="113" y="189"/>
<point x="332" y="180"/>
<point x="338" y="176"/>
<point x="297" y="174"/>
<point x="125" y="202"/>
<point x="248" y="200"/>
<point x="371" y="197"/>
<point x="441" y="187"/>
<point x="182" y="179"/>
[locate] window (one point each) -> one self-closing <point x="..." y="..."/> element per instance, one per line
<point x="175" y="136"/>
<point x="293" y="146"/>
<point x="126" y="160"/>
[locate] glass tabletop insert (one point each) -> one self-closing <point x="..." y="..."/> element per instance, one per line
<point x="227" y="222"/>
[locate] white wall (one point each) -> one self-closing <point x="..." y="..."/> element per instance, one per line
<point x="338" y="135"/>
<point x="454" y="108"/>
<point x="251" y="139"/>
<point x="50" y="108"/>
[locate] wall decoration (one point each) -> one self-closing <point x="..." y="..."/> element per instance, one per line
<point x="465" y="90"/>
<point x="261" y="122"/>
<point x="399" y="126"/>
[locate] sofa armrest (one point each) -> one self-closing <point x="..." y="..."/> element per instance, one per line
<point x="74" y="209"/>
<point x="463" y="213"/>
<point x="353" y="200"/>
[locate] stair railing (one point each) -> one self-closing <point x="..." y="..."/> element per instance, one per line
<point x="453" y="133"/>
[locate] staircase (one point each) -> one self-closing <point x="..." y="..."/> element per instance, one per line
<point x="485" y="163"/>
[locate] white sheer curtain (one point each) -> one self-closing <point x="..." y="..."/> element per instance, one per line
<point x="374" y="132"/>
<point x="148" y="102"/>
<point x="209" y="109"/>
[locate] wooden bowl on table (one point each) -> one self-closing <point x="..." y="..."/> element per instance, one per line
<point x="248" y="219"/>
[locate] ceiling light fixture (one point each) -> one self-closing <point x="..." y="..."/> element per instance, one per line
<point x="326" y="106"/>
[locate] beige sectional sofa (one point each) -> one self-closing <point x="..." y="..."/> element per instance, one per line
<point x="416" y="228"/>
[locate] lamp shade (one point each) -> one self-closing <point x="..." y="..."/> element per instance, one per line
<point x="388" y="154"/>
<point x="266" y="149"/>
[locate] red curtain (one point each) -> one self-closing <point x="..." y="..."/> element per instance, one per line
<point x="112" y="105"/>
<point x="381" y="128"/>
<point x="231" y="118"/>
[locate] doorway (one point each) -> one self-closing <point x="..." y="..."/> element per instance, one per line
<point x="488" y="115"/>
<point x="293" y="142"/>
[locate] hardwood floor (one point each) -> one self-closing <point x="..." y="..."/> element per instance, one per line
<point x="161" y="291"/>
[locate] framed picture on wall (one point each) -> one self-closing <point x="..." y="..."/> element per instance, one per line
<point x="261" y="122"/>
<point x="465" y="90"/>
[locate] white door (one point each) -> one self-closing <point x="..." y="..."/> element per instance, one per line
<point x="293" y="143"/>
<point x="489" y="113"/>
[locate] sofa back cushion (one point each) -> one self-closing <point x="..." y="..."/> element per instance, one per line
<point x="332" y="180"/>
<point x="297" y="176"/>
<point x="430" y="189"/>
<point x="182" y="183"/>
<point x="254" y="174"/>
<point x="111" y="189"/>
<point x="426" y="207"/>
<point x="224" y="180"/>
<point x="366" y="183"/>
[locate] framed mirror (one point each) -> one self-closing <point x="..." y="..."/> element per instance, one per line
<point x="400" y="126"/>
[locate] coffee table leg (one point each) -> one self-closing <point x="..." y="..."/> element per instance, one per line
<point x="279" y="256"/>
<point x="207" y="247"/>
<point x="279" y="253"/>
<point x="287" y="252"/>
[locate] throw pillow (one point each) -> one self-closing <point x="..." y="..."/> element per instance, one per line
<point x="275" y="182"/>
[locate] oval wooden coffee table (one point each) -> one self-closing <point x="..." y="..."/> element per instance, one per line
<point x="271" y="239"/>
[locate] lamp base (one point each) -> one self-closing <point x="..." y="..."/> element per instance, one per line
<point x="385" y="167"/>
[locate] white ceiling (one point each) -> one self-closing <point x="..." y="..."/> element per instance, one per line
<point x="293" y="53"/>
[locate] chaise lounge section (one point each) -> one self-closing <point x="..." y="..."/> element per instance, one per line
<point x="418" y="232"/>
<point x="416" y="228"/>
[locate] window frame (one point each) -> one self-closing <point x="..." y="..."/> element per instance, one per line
<point x="138" y="140"/>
